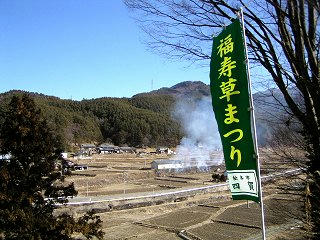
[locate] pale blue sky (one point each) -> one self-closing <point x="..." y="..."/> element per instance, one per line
<point x="81" y="49"/>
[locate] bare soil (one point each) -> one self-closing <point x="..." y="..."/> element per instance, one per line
<point x="110" y="174"/>
<point x="202" y="216"/>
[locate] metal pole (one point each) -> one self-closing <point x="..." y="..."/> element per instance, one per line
<point x="254" y="130"/>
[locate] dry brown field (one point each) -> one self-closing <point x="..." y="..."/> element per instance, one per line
<point x="201" y="216"/>
<point x="110" y="174"/>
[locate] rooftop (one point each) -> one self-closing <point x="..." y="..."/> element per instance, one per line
<point x="167" y="161"/>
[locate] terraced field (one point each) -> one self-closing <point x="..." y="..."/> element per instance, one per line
<point x="205" y="221"/>
<point x="202" y="216"/>
<point x="112" y="174"/>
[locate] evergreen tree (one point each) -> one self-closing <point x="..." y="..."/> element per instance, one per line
<point x="30" y="177"/>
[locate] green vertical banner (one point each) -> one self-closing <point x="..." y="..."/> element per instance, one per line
<point x="231" y="105"/>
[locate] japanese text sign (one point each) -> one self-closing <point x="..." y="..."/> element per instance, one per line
<point x="231" y="105"/>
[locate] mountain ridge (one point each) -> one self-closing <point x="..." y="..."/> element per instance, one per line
<point x="143" y="119"/>
<point x="186" y="89"/>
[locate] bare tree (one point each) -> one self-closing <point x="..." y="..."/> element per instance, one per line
<point x="283" y="38"/>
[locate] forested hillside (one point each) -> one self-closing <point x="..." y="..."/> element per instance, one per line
<point x="137" y="121"/>
<point x="143" y="120"/>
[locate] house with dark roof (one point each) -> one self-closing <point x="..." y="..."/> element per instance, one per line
<point x="127" y="149"/>
<point x="108" y="149"/>
<point x="87" y="146"/>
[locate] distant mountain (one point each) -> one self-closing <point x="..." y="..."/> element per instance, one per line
<point x="194" y="89"/>
<point x="144" y="119"/>
<point x="269" y="104"/>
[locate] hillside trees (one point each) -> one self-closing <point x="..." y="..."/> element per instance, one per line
<point x="31" y="175"/>
<point x="141" y="120"/>
<point x="283" y="40"/>
<point x="124" y="124"/>
<point x="69" y="120"/>
<point x="155" y="103"/>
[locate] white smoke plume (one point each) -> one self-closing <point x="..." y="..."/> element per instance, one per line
<point x="201" y="145"/>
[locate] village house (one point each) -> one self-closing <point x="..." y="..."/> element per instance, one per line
<point x="164" y="150"/>
<point x="166" y="164"/>
<point x="127" y="150"/>
<point x="88" y="148"/>
<point x="107" y="149"/>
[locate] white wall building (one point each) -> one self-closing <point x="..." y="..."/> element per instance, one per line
<point x="166" y="164"/>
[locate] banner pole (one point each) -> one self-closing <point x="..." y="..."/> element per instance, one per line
<point x="254" y="129"/>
